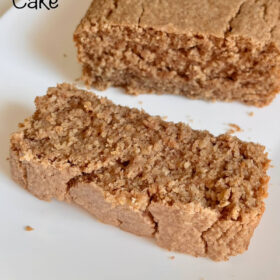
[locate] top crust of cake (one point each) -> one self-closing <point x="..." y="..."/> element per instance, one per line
<point x="253" y="19"/>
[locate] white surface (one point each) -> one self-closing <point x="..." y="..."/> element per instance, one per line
<point x="67" y="243"/>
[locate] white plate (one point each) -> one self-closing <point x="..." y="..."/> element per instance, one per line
<point x="67" y="243"/>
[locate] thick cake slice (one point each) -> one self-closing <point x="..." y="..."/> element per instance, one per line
<point x="193" y="192"/>
<point x="213" y="50"/>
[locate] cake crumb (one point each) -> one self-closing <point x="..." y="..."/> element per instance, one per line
<point x="140" y="102"/>
<point x="65" y="55"/>
<point x="250" y="114"/>
<point x="29" y="228"/>
<point x="164" y="118"/>
<point x="190" y="120"/>
<point x="172" y="257"/>
<point x="7" y="158"/>
<point x="233" y="128"/>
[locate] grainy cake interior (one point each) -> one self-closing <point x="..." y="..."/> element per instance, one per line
<point x="195" y="193"/>
<point x="214" y="50"/>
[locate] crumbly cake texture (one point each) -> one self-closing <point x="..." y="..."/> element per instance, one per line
<point x="225" y="50"/>
<point x="193" y="192"/>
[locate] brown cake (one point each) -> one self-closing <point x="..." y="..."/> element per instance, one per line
<point x="193" y="192"/>
<point x="213" y="50"/>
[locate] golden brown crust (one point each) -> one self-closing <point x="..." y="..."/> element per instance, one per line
<point x="138" y="172"/>
<point x="229" y="238"/>
<point x="246" y="18"/>
<point x="103" y="206"/>
<point x="45" y="182"/>
<point x="212" y="50"/>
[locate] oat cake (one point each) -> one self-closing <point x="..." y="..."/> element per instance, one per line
<point x="225" y="50"/>
<point x="193" y="192"/>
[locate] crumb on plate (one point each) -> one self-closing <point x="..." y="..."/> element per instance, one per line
<point x="189" y="119"/>
<point x="29" y="228"/>
<point x="233" y="128"/>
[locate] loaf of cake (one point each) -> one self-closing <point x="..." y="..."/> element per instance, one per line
<point x="225" y="50"/>
<point x="193" y="192"/>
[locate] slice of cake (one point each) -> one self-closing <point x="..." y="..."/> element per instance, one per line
<point x="193" y="192"/>
<point x="213" y="50"/>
